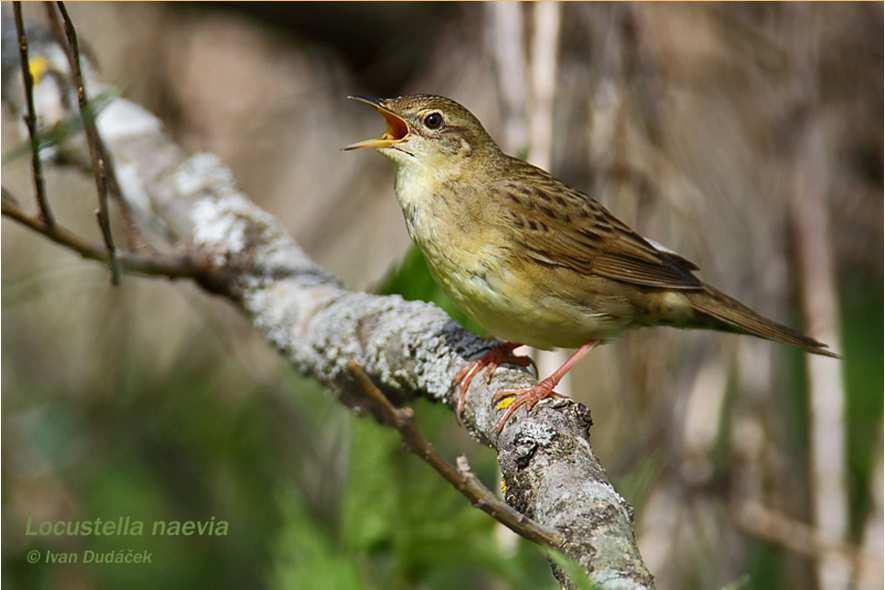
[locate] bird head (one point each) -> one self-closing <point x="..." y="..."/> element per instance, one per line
<point x="426" y="130"/>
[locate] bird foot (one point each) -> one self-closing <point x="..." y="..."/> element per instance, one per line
<point x="489" y="362"/>
<point x="527" y="397"/>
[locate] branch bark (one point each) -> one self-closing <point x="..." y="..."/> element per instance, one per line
<point x="408" y="349"/>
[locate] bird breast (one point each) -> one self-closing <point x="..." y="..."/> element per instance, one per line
<point x="474" y="259"/>
<point x="443" y="217"/>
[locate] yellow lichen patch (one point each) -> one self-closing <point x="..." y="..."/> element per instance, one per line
<point x="505" y="403"/>
<point x="503" y="486"/>
<point x="38" y="66"/>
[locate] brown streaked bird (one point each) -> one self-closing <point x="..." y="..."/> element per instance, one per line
<point x="532" y="260"/>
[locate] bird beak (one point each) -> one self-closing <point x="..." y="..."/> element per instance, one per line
<point x="397" y="128"/>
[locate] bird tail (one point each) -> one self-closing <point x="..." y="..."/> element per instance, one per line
<point x="730" y="315"/>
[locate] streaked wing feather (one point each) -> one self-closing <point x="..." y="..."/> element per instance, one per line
<point x="560" y="226"/>
<point x="623" y="268"/>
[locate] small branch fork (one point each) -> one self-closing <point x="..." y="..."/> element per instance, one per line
<point x="183" y="267"/>
<point x="172" y="267"/>
<point x="461" y="477"/>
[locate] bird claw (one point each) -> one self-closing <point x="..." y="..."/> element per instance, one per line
<point x="512" y="359"/>
<point x="488" y="363"/>
<point x="528" y="397"/>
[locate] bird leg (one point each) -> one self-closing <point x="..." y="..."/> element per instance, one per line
<point x="489" y="361"/>
<point x="530" y="396"/>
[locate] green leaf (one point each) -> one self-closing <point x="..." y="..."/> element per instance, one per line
<point x="306" y="556"/>
<point x="62" y="130"/>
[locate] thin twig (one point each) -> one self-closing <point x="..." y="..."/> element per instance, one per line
<point x="169" y="267"/>
<point x="461" y="477"/>
<point x="31" y="118"/>
<point x="57" y="29"/>
<point x="92" y="139"/>
<point x="133" y="235"/>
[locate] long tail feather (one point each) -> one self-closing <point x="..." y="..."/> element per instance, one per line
<point x="731" y="315"/>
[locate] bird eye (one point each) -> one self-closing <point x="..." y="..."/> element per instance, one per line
<point x="433" y="120"/>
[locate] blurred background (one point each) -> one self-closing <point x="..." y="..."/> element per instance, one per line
<point x="746" y="137"/>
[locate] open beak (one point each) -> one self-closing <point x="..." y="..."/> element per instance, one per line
<point x="397" y="128"/>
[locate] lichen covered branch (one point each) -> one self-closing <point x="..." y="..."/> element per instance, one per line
<point x="407" y="349"/>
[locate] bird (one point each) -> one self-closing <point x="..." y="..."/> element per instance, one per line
<point x="532" y="260"/>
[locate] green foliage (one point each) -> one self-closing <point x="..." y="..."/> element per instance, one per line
<point x="864" y="382"/>
<point x="765" y="566"/>
<point x="162" y="447"/>
<point x="396" y="524"/>
<point x="308" y="556"/>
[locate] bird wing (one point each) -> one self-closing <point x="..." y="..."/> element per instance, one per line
<point x="559" y="226"/>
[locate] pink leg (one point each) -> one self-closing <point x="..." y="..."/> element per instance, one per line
<point x="488" y="361"/>
<point x="530" y="396"/>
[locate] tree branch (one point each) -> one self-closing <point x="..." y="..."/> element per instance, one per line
<point x="172" y="268"/>
<point x="408" y="349"/>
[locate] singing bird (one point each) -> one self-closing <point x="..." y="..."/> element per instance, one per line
<point x="532" y="260"/>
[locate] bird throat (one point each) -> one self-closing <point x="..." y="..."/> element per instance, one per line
<point x="425" y="194"/>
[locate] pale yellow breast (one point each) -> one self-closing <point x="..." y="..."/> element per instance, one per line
<point x="471" y="259"/>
